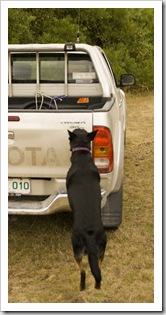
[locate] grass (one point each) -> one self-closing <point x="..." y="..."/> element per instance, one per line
<point x="41" y="264"/>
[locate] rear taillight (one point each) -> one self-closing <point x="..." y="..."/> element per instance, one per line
<point x="13" y="118"/>
<point x="103" y="149"/>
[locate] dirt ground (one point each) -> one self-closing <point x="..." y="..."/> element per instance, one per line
<point x="41" y="264"/>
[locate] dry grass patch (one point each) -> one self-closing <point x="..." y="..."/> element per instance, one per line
<point x="41" y="264"/>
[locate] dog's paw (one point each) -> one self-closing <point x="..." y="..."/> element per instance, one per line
<point x="82" y="282"/>
<point x="82" y="287"/>
<point x="98" y="285"/>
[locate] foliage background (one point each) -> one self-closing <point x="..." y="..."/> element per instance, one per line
<point x="126" y="35"/>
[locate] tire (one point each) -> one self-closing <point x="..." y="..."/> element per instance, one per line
<point x="111" y="213"/>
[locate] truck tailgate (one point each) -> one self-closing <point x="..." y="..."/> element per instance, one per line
<point x="38" y="142"/>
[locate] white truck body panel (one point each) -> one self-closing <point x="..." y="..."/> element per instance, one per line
<point x="40" y="147"/>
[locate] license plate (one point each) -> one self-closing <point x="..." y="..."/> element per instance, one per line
<point x="19" y="186"/>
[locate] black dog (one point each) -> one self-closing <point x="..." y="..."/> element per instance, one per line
<point x="84" y="193"/>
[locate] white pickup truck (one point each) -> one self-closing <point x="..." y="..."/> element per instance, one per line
<point x="54" y="88"/>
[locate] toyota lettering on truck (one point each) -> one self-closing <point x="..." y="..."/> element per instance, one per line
<point x="51" y="89"/>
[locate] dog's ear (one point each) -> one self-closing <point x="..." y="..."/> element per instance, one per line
<point x="71" y="135"/>
<point x="91" y="135"/>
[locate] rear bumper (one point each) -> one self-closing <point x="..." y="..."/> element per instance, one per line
<point x="56" y="202"/>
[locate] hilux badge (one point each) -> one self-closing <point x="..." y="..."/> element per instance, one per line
<point x="66" y="121"/>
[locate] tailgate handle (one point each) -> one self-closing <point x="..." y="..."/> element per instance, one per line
<point x="10" y="135"/>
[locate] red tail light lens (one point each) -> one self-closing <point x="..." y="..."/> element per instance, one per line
<point x="103" y="149"/>
<point x="13" y="118"/>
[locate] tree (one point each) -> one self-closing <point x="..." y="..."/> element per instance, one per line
<point x="19" y="26"/>
<point x="125" y="34"/>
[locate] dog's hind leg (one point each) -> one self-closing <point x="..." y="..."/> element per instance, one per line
<point x="101" y="245"/>
<point x="79" y="249"/>
<point x="98" y="284"/>
<point x="82" y="272"/>
<point x="100" y="259"/>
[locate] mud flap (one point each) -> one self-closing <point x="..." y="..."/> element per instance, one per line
<point x="111" y="213"/>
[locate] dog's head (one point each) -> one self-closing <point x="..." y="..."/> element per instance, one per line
<point x="80" y="138"/>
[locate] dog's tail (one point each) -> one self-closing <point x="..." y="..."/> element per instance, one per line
<point x="93" y="259"/>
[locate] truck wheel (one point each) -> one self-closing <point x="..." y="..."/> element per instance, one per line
<point x="111" y="213"/>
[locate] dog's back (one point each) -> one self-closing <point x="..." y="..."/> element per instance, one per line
<point x="84" y="193"/>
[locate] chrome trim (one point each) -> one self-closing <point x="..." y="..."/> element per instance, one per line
<point x="56" y="202"/>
